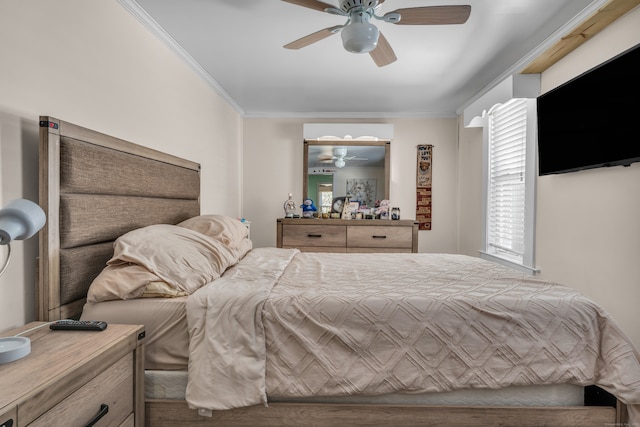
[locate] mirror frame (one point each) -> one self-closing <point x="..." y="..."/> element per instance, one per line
<point x="347" y="142"/>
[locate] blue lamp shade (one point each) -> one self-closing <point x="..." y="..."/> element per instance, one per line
<point x="14" y="348"/>
<point x="19" y="220"/>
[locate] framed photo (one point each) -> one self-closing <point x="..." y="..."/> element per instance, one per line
<point x="362" y="190"/>
<point x="337" y="205"/>
<point x="354" y="206"/>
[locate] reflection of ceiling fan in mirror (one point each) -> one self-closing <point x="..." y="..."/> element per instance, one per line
<point x="361" y="36"/>
<point x="339" y="157"/>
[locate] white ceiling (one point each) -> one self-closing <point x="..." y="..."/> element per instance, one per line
<point x="236" y="45"/>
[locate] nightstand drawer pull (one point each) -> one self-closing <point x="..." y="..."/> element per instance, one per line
<point x="314" y="235"/>
<point x="104" y="408"/>
<point x="379" y="237"/>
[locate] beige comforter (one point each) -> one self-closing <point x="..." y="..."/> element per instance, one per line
<point x="310" y="324"/>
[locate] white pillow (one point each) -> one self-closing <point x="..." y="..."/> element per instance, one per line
<point x="224" y="229"/>
<point x="182" y="258"/>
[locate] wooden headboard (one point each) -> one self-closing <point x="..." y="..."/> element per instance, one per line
<point x="93" y="189"/>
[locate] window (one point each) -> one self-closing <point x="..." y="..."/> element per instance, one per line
<point x="509" y="183"/>
<point x="325" y="194"/>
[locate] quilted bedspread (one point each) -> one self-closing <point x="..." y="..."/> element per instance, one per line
<point x="312" y="324"/>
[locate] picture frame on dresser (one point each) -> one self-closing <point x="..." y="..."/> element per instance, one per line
<point x="337" y="205"/>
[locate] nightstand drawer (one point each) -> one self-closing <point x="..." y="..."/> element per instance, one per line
<point x="379" y="237"/>
<point x="110" y="393"/>
<point x="9" y="418"/>
<point x="69" y="375"/>
<point x="314" y="235"/>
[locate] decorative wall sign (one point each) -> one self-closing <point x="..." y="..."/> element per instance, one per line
<point x="423" y="186"/>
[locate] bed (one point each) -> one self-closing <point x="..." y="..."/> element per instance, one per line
<point x="326" y="345"/>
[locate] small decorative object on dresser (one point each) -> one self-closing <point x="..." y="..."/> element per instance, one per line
<point x="308" y="208"/>
<point x="337" y="205"/>
<point x="346" y="209"/>
<point x="75" y="378"/>
<point x="395" y="213"/>
<point x="382" y="209"/>
<point x="290" y="207"/>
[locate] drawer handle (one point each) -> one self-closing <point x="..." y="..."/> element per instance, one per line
<point x="104" y="408"/>
<point x="379" y="237"/>
<point x="314" y="235"/>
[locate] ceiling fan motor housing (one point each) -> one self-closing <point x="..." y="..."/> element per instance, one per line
<point x="359" y="35"/>
<point x="347" y="5"/>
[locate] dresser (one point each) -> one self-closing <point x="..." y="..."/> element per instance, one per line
<point x="355" y="235"/>
<point x="75" y="378"/>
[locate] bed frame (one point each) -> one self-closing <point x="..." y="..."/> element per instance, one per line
<point x="94" y="188"/>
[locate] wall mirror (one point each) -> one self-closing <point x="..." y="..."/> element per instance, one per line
<point x="338" y="168"/>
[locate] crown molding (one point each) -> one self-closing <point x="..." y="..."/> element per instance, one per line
<point x="145" y="19"/>
<point x="587" y="13"/>
<point x="350" y="115"/>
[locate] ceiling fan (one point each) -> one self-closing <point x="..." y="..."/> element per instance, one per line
<point x="359" y="35"/>
<point x="340" y="157"/>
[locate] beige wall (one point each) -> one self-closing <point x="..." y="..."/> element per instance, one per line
<point x="91" y="63"/>
<point x="273" y="168"/>
<point x="588" y="222"/>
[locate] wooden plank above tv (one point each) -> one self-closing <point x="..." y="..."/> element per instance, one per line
<point x="591" y="26"/>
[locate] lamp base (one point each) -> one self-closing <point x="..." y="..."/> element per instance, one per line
<point x="14" y="348"/>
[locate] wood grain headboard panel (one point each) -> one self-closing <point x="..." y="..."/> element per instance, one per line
<point x="94" y="188"/>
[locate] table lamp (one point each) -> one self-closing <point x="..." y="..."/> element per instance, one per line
<point x="19" y="220"/>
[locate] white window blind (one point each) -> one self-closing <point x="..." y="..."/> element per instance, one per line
<point x="507" y="175"/>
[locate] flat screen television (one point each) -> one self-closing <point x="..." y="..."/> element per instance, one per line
<point x="592" y="120"/>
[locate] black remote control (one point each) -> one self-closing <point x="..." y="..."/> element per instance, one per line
<point x="78" y="325"/>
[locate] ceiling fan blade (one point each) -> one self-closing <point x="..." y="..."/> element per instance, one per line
<point x="312" y="38"/>
<point x="311" y="4"/>
<point x="434" y="15"/>
<point x="383" y="54"/>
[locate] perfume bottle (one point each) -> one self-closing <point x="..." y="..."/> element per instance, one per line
<point x="395" y="213"/>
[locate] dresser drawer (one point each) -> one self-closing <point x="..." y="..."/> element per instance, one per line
<point x="314" y="235"/>
<point x="113" y="388"/>
<point x="379" y="237"/>
<point x="347" y="235"/>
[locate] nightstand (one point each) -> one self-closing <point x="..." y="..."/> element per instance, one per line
<point x="73" y="378"/>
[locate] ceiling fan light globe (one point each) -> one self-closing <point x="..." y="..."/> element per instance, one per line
<point x="340" y="151"/>
<point x="340" y="163"/>
<point x="360" y="37"/>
